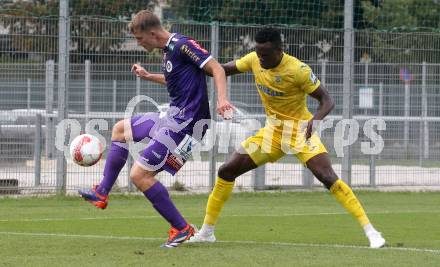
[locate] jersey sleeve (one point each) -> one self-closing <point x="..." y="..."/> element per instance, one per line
<point x="194" y="52"/>
<point x="244" y="64"/>
<point x="307" y="80"/>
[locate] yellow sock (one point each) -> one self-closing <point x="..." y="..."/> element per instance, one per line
<point x="346" y="197"/>
<point x="221" y="192"/>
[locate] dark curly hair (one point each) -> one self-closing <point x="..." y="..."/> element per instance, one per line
<point x="269" y="34"/>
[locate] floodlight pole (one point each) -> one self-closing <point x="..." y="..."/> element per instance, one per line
<point x="347" y="99"/>
<point x="63" y="81"/>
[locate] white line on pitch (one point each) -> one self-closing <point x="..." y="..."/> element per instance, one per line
<point x="80" y="219"/>
<point x="435" y="251"/>
<point x="224" y="216"/>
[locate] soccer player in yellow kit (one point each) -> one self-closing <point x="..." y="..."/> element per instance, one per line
<point x="283" y="83"/>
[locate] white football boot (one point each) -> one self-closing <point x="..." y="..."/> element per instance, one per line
<point x="201" y="238"/>
<point x="376" y="239"/>
<point x="205" y="235"/>
<point x="374" y="236"/>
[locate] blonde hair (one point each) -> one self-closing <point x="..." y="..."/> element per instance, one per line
<point x="143" y="21"/>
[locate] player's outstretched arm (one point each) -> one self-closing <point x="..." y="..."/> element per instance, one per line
<point x="139" y="71"/>
<point x="326" y="104"/>
<point x="230" y="68"/>
<point x="224" y="107"/>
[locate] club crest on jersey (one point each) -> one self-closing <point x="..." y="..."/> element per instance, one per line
<point x="278" y="79"/>
<point x="313" y="78"/>
<point x="169" y="66"/>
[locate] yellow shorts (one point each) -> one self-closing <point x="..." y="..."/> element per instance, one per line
<point x="269" y="145"/>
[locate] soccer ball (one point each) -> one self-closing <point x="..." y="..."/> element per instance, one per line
<point x="86" y="150"/>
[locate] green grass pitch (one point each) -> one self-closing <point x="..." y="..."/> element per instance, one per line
<point x="256" y="229"/>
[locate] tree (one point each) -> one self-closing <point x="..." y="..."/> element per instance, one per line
<point x="292" y="12"/>
<point x="327" y="14"/>
<point x="403" y="15"/>
<point x="413" y="24"/>
<point x="33" y="26"/>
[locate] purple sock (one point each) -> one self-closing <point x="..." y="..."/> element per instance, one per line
<point x="159" y="197"/>
<point x="116" y="158"/>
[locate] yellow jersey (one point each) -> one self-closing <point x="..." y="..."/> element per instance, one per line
<point x="283" y="89"/>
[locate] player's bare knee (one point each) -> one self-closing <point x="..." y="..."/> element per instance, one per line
<point x="328" y="177"/>
<point x="141" y="178"/>
<point x="135" y="173"/>
<point x="226" y="173"/>
<point x="118" y="131"/>
<point x="134" y="178"/>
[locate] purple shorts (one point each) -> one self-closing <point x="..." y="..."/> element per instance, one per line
<point x="166" y="148"/>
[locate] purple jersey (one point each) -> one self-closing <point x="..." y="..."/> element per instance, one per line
<point x="182" y="66"/>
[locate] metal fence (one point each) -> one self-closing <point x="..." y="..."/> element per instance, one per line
<point x="387" y="84"/>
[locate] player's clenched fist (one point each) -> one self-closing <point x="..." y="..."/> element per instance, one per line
<point x="225" y="109"/>
<point x="139" y="71"/>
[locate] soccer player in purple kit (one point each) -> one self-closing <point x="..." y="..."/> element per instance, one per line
<point x="171" y="137"/>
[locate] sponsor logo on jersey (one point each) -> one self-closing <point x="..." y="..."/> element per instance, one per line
<point x="174" y="162"/>
<point x="269" y="91"/>
<point x="157" y="155"/>
<point x="199" y="47"/>
<point x="185" y="49"/>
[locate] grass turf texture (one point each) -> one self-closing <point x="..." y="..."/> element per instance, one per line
<point x="256" y="229"/>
